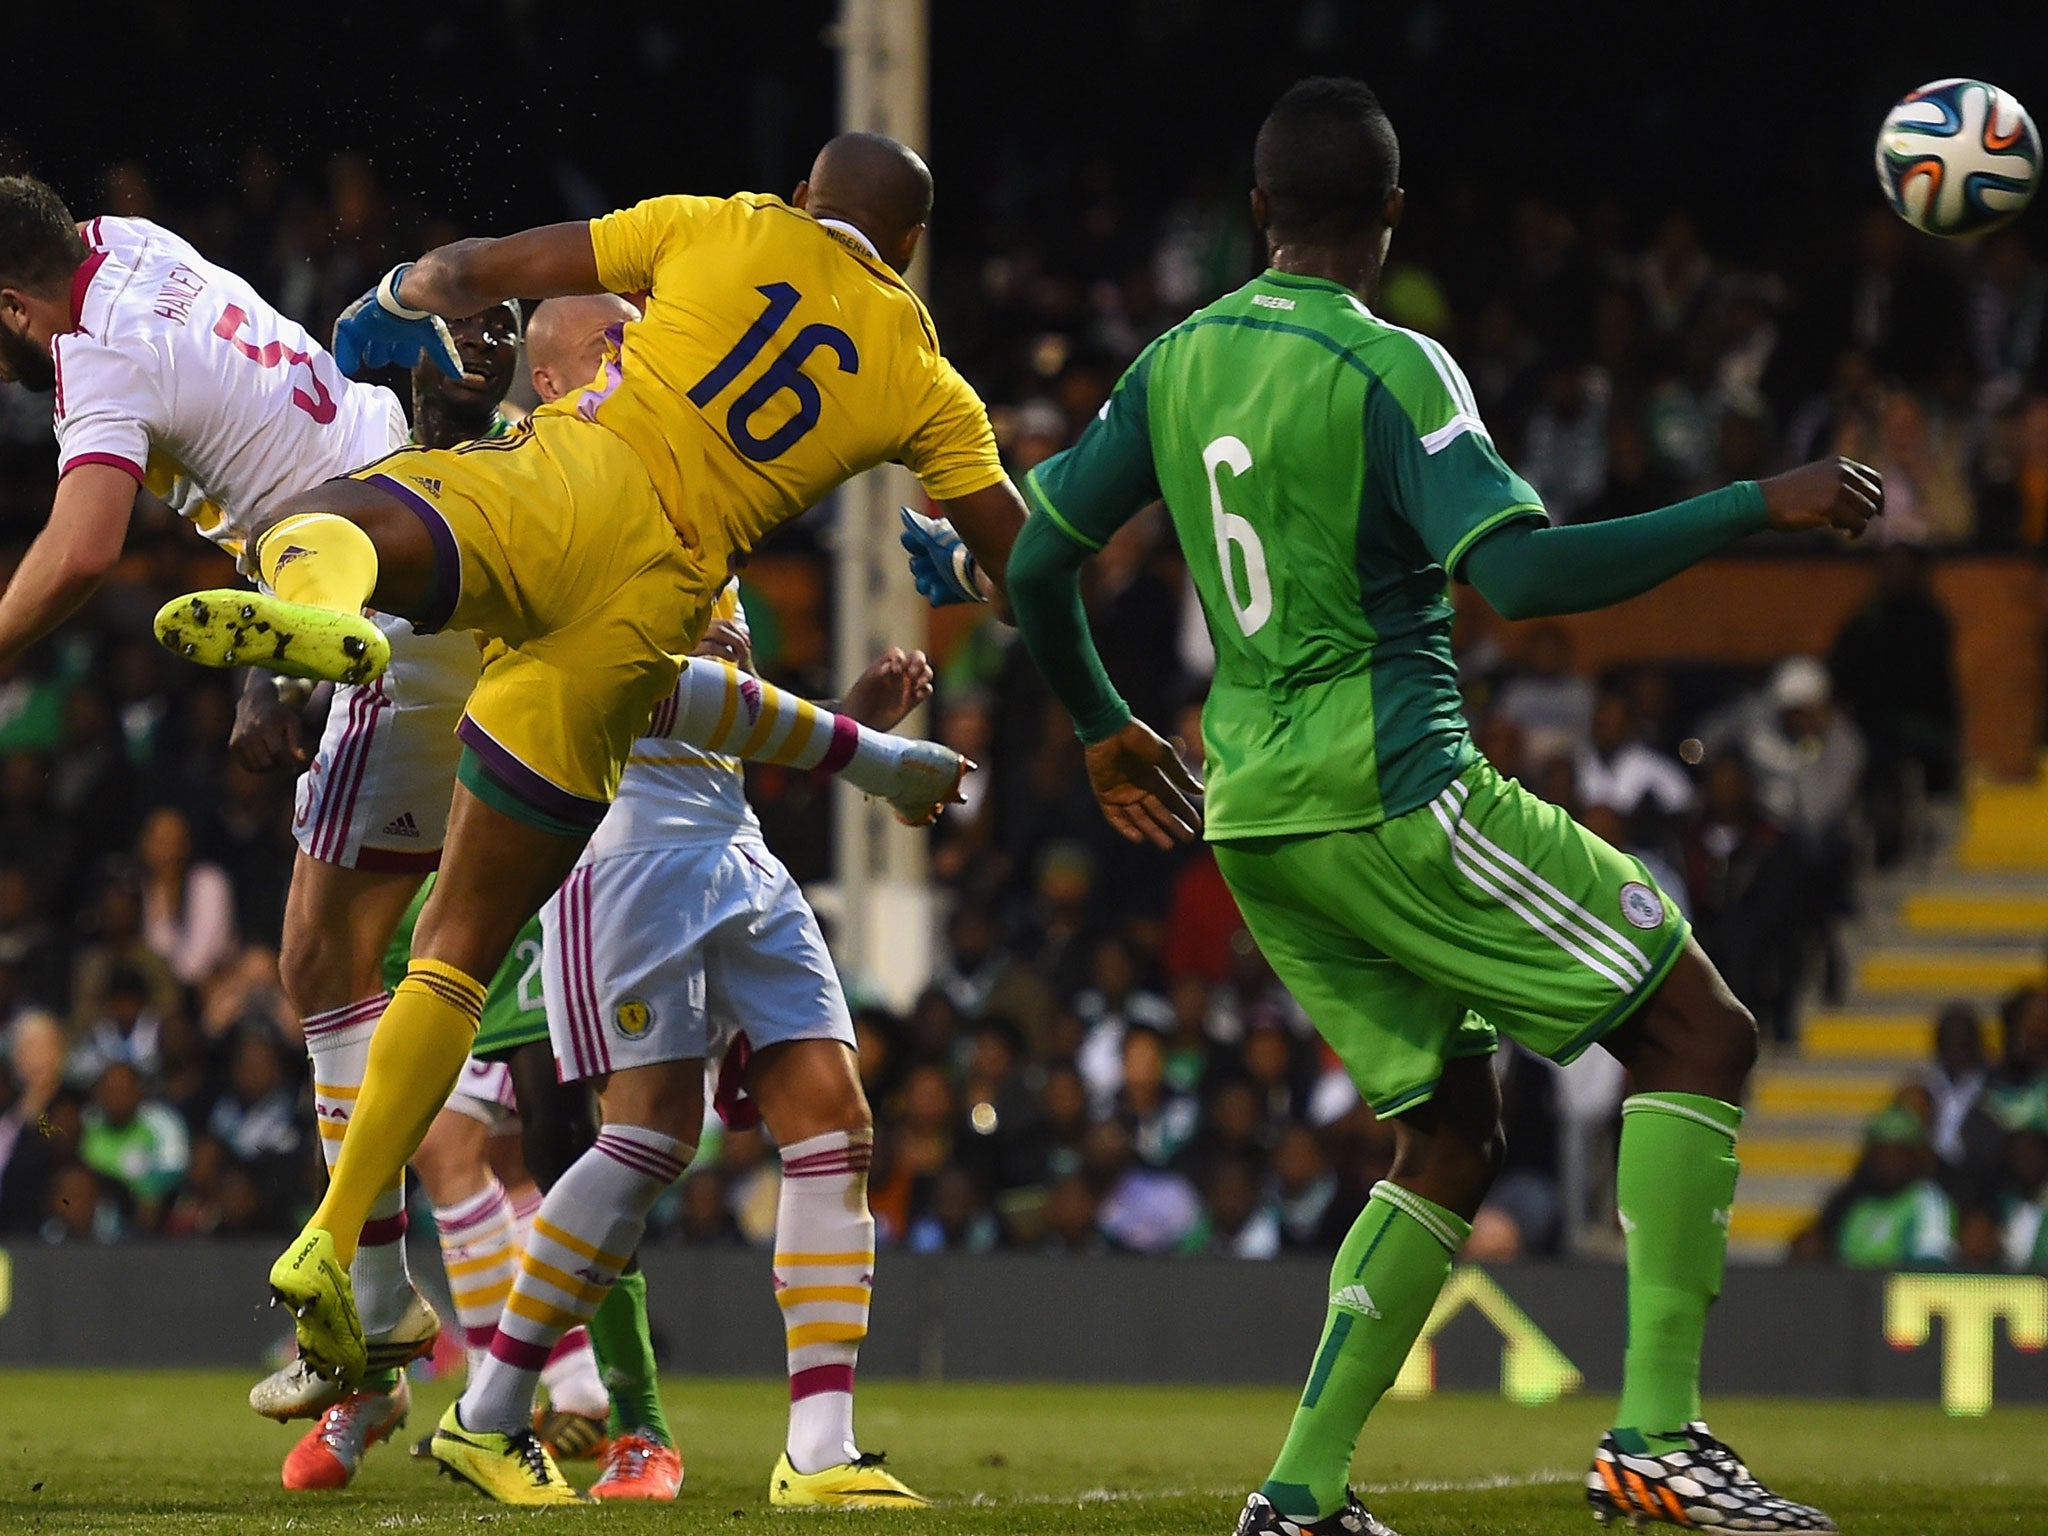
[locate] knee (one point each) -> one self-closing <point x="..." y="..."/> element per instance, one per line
<point x="311" y="967"/>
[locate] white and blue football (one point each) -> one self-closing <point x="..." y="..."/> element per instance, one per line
<point x="1958" y="158"/>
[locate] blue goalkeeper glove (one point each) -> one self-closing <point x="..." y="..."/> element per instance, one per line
<point x="939" y="563"/>
<point x="378" y="331"/>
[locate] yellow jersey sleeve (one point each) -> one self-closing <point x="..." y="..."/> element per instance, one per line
<point x="953" y="450"/>
<point x="632" y="244"/>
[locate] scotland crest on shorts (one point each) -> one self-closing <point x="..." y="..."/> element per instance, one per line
<point x="633" y="1017"/>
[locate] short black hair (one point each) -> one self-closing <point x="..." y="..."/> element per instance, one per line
<point x="1327" y="160"/>
<point x="39" y="242"/>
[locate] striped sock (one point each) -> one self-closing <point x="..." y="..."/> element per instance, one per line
<point x="338" y="1040"/>
<point x="479" y="1250"/>
<point x="583" y="1234"/>
<point x="571" y="1376"/>
<point x="824" y="1277"/>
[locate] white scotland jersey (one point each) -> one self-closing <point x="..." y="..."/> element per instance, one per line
<point x="179" y="372"/>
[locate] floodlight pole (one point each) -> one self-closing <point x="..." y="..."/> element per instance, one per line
<point x="881" y="910"/>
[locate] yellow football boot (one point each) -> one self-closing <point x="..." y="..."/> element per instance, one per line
<point x="313" y="1283"/>
<point x="857" y="1484"/>
<point x="511" y="1469"/>
<point x="257" y="629"/>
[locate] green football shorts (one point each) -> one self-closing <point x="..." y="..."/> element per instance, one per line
<point x="1485" y="912"/>
<point x="513" y="1015"/>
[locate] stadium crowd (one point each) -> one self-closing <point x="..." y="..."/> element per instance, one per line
<point x="1102" y="1060"/>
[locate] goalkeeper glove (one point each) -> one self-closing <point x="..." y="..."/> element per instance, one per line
<point x="379" y="331"/>
<point x="939" y="562"/>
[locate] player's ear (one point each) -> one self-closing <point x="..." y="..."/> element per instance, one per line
<point x="1262" y="212"/>
<point x="1390" y="211"/>
<point x="906" y="248"/>
<point x="801" y="197"/>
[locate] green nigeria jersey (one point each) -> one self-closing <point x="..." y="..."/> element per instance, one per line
<point x="1327" y="473"/>
<point x="513" y="1013"/>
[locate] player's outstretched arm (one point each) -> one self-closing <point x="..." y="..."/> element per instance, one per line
<point x="70" y="557"/>
<point x="471" y="275"/>
<point x="718" y="707"/>
<point x="1529" y="571"/>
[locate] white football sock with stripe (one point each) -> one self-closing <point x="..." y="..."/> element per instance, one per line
<point x="480" y="1250"/>
<point x="583" y="1235"/>
<point x="573" y="1381"/>
<point x="824" y="1279"/>
<point x="718" y="707"/>
<point x="338" y="1040"/>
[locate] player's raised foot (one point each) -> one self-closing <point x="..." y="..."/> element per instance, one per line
<point x="928" y="778"/>
<point x="510" y="1469"/>
<point x="227" y="628"/>
<point x="313" y="1284"/>
<point x="1260" y="1518"/>
<point x="332" y="1450"/>
<point x="1702" y="1483"/>
<point x="857" y="1484"/>
<point x="570" y="1436"/>
<point x="299" y="1391"/>
<point x="639" y="1467"/>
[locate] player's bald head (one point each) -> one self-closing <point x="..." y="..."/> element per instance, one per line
<point x="881" y="187"/>
<point x="565" y="340"/>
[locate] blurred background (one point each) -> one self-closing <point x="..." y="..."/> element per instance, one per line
<point x="1659" y="275"/>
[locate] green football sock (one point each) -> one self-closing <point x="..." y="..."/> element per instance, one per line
<point x="385" y="1382"/>
<point x="625" y="1355"/>
<point x="1674" y="1184"/>
<point x="1393" y="1263"/>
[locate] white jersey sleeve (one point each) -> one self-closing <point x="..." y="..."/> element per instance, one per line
<point x="109" y="410"/>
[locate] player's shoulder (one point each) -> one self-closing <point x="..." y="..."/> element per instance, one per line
<point x="1417" y="373"/>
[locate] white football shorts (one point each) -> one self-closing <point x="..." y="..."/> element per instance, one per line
<point x="484" y="1092"/>
<point x="376" y="796"/>
<point x="669" y="954"/>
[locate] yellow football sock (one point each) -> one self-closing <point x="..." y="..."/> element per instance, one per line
<point x="415" y="1057"/>
<point x="321" y="560"/>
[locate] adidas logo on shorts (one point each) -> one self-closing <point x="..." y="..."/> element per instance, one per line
<point x="402" y="826"/>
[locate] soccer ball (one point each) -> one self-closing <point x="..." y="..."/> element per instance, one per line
<point x="1958" y="157"/>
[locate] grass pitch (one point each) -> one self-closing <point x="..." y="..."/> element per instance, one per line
<point x="180" y="1453"/>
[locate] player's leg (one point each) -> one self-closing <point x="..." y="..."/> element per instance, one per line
<point x="624" y="983"/>
<point x="557" y="1124"/>
<point x="324" y="555"/>
<point x="338" y="922"/>
<point x="496" y="870"/>
<point x="1562" y="941"/>
<point x="473" y="1212"/>
<point x="586" y="1229"/>
<point x="1419" y="1059"/>
<point x="601" y="1383"/>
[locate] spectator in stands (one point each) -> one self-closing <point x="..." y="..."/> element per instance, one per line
<point x="1964" y="1136"/>
<point x="1142" y="1209"/>
<point x="1617" y="770"/>
<point x="1240" y="1222"/>
<point x="981" y="976"/>
<point x="258" y="1120"/>
<point x="28" y="939"/>
<point x="2018" y="1091"/>
<point x="80" y="1207"/>
<point x="30" y="1090"/>
<point x="1550" y="702"/>
<point x="188" y="908"/>
<point x="1564" y="446"/>
<point x="1743" y="884"/>
<point x="1926" y="488"/>
<point x="1894" y="670"/>
<point x="2023" y="1203"/>
<point x="1303" y="1188"/>
<point x="1892" y="1213"/>
<point x="117" y="945"/>
<point x="134" y="1141"/>
<point x="2012" y="486"/>
<point x="1162" y="1121"/>
<point x="127" y="1031"/>
<point x="1114" y="1003"/>
<point x="1069" y="1219"/>
<point x="956" y="1218"/>
<point x="703" y="1219"/>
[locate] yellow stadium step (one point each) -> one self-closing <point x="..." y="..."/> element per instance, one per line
<point x="1772" y="1226"/>
<point x="1991" y="914"/>
<point x="1866" y="1036"/>
<point x="1825" y="1095"/>
<point x="1955" y="972"/>
<point x="1797" y="1157"/>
